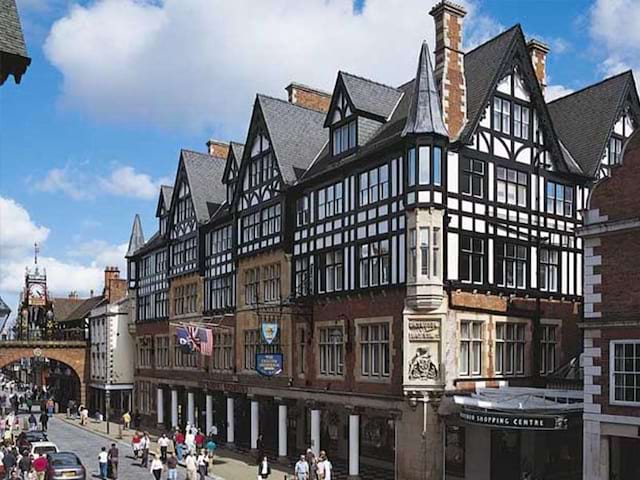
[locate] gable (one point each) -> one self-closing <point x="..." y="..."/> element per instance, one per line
<point x="341" y="105"/>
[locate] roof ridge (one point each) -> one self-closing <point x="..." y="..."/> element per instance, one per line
<point x="342" y="72"/>
<point x="593" y="85"/>
<point x="287" y="102"/>
<point x="501" y="34"/>
<point x="202" y="154"/>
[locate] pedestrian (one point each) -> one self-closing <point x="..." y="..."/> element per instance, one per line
<point x="191" y="466"/>
<point x="325" y="468"/>
<point x="114" y="455"/>
<point x="103" y="459"/>
<point x="211" y="448"/>
<point x="50" y="407"/>
<point x="145" y="444"/>
<point x="178" y="440"/>
<point x="44" y="421"/>
<point x="33" y="423"/>
<point x="126" y="420"/>
<point x="301" y="470"/>
<point x="29" y="404"/>
<point x="201" y="462"/>
<point x="313" y="464"/>
<point x="135" y="444"/>
<point x="25" y="466"/>
<point x="156" y="467"/>
<point x="163" y="443"/>
<point x="31" y="475"/>
<point x="172" y="467"/>
<point x="199" y="440"/>
<point x="190" y="440"/>
<point x="260" y="447"/>
<point x="264" y="469"/>
<point x="9" y="462"/>
<point x="40" y="465"/>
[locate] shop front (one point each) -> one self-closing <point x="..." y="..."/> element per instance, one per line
<point x="515" y="433"/>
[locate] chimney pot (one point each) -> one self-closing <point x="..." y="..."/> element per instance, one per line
<point x="538" y="52"/>
<point x="308" y="97"/>
<point x="218" y="149"/>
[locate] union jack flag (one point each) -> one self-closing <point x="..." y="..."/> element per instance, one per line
<point x="200" y="339"/>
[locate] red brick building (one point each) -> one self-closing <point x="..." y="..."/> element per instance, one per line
<point x="612" y="323"/>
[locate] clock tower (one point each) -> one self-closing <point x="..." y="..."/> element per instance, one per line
<point x="35" y="317"/>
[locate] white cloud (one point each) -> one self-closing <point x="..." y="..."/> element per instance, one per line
<point x="126" y="182"/>
<point x="556" y="91"/>
<point x="122" y="181"/>
<point x="198" y="63"/>
<point x="614" y="26"/>
<point x="83" y="273"/>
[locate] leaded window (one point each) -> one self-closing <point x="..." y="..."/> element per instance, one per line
<point x="559" y="199"/>
<point x="271" y="282"/>
<point x="510" y="344"/>
<point x="548" y="347"/>
<point x="511" y="265"/>
<point x="521" y="116"/>
<point x="375" y="345"/>
<point x="470" y="348"/>
<point x="331" y="343"/>
<point x="330" y="201"/>
<point x="625" y="371"/>
<point x="501" y="115"/>
<point x="511" y="187"/>
<point x="374" y="185"/>
<point x="472" y="177"/>
<point x="375" y="263"/>
<point x="472" y="253"/>
<point x="549" y="261"/>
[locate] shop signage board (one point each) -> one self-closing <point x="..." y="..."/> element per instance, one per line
<point x="517" y="421"/>
<point x="269" y="364"/>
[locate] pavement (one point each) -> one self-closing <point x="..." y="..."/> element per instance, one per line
<point x="86" y="442"/>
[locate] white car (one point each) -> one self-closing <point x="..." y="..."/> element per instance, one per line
<point x="42" y="448"/>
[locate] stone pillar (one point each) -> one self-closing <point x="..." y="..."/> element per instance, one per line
<point x="230" y="420"/>
<point x="191" y="408"/>
<point x="174" y="407"/>
<point x="255" y="425"/>
<point x="315" y="431"/>
<point x="209" y="414"/>
<point x="282" y="431"/>
<point x="160" y="405"/>
<point x="354" y="445"/>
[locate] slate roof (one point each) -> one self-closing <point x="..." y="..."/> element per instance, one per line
<point x="297" y="135"/>
<point x="83" y="309"/>
<point x="369" y="96"/>
<point x="13" y="51"/>
<point x="64" y="307"/>
<point x="154" y="241"/>
<point x="237" y="149"/>
<point x="425" y="115"/>
<point x="584" y="119"/>
<point x="4" y="308"/>
<point x="204" y="174"/>
<point x="167" y="193"/>
<point x="136" y="240"/>
<point x="481" y="66"/>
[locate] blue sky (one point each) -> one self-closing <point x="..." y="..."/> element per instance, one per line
<point x="117" y="87"/>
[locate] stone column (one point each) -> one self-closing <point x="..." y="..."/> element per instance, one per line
<point x="209" y="414"/>
<point x="191" y="408"/>
<point x="255" y="424"/>
<point x="282" y="430"/>
<point x="354" y="445"/>
<point x="315" y="431"/>
<point x="174" y="407"/>
<point x="160" y="405"/>
<point x="230" y="420"/>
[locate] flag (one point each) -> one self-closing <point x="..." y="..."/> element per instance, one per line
<point x="182" y="337"/>
<point x="206" y="341"/>
<point x="199" y="339"/>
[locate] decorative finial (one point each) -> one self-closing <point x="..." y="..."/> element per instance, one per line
<point x="36" y="250"/>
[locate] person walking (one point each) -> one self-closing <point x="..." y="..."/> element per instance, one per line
<point x="9" y="462"/>
<point x="199" y="440"/>
<point x="44" y="421"/>
<point x="114" y="455"/>
<point x="145" y="444"/>
<point x="126" y="420"/>
<point x="325" y="469"/>
<point x="156" y="467"/>
<point x="163" y="443"/>
<point x="33" y="423"/>
<point x="178" y="440"/>
<point x="172" y="467"/>
<point x="40" y="465"/>
<point x="191" y="466"/>
<point x="264" y="469"/>
<point x="135" y="444"/>
<point x="301" y="470"/>
<point x="201" y="462"/>
<point x="103" y="459"/>
<point x="25" y="466"/>
<point x="260" y="448"/>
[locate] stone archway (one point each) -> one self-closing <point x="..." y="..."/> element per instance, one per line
<point x="72" y="356"/>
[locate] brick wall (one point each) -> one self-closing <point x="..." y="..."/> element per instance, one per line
<point x="308" y="97"/>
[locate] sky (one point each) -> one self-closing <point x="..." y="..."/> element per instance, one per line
<point x="117" y="87"/>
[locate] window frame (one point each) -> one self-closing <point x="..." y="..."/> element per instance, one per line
<point x="473" y="255"/>
<point x="510" y="347"/>
<point x="613" y="371"/>
<point x="468" y="174"/>
<point x="470" y="342"/>
<point x="375" y="353"/>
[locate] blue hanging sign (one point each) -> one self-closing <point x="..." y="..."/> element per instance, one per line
<point x="269" y="364"/>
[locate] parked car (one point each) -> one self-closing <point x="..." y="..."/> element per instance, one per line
<point x="65" y="466"/>
<point x="43" y="448"/>
<point x="25" y="439"/>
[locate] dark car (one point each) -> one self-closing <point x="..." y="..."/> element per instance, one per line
<point x="27" y="438"/>
<point x="65" y="466"/>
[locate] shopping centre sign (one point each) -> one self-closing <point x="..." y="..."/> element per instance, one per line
<point x="518" y="421"/>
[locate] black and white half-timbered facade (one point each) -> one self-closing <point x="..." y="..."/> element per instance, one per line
<point x="416" y="246"/>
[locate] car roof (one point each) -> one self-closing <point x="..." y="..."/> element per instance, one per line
<point x="43" y="444"/>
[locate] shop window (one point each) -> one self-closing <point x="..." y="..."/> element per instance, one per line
<point x="625" y="372"/>
<point x="510" y="344"/>
<point x="548" y="346"/>
<point x="470" y="348"/>
<point x="331" y="343"/>
<point x="375" y="350"/>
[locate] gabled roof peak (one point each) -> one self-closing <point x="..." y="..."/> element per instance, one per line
<point x="137" y="238"/>
<point x="360" y="77"/>
<point x="425" y="115"/>
<point x="594" y="85"/>
<point x="510" y="30"/>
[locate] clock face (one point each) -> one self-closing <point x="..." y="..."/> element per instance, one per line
<point x="37" y="294"/>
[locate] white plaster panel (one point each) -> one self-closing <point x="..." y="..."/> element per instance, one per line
<point x="452" y="259"/>
<point x="452" y="172"/>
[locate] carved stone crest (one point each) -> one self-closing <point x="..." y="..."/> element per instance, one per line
<point x="421" y="366"/>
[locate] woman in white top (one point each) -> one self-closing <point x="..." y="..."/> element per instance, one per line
<point x="156" y="467"/>
<point x="201" y="462"/>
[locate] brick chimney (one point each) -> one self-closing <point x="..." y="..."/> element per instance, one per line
<point x="538" y="52"/>
<point x="449" y="66"/>
<point x="308" y="97"/>
<point x="218" y="149"/>
<point x="115" y="287"/>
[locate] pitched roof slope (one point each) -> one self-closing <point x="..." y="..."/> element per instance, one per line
<point x="137" y="237"/>
<point x="369" y="96"/>
<point x="584" y="119"/>
<point x="297" y="135"/>
<point x="237" y="149"/>
<point x="13" y="51"/>
<point x="204" y="173"/>
<point x="425" y="115"/>
<point x="64" y="307"/>
<point x="481" y="66"/>
<point x="167" y="193"/>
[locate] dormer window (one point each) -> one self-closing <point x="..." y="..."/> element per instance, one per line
<point x="344" y="127"/>
<point x="262" y="166"/>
